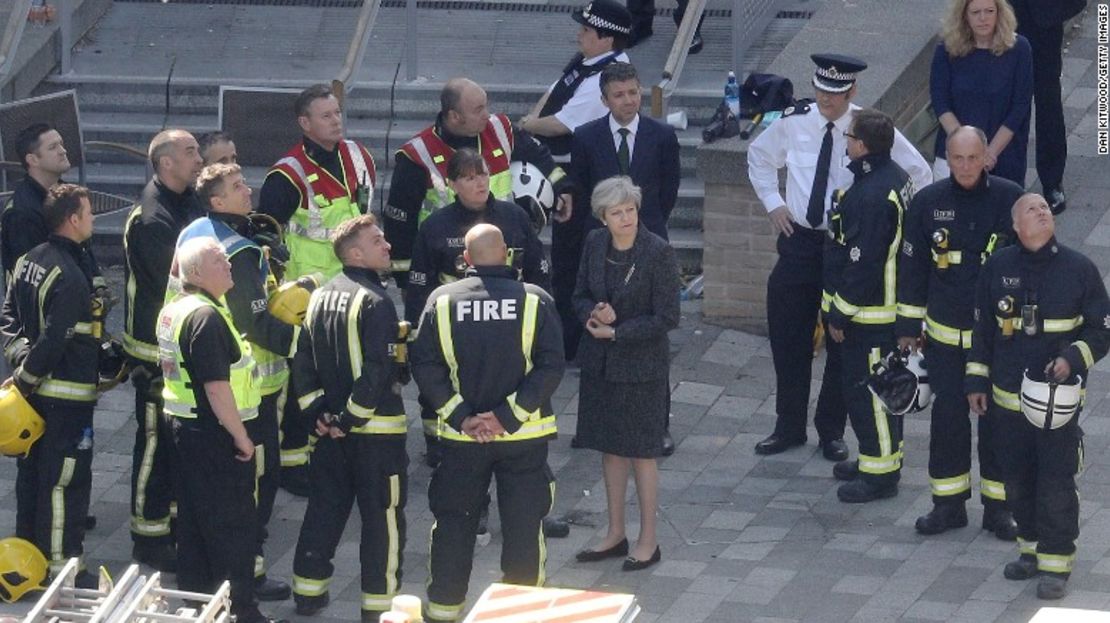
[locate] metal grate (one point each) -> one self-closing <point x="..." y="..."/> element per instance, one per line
<point x="455" y="5"/>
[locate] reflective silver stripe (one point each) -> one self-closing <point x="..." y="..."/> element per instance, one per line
<point x="438" y="183"/>
<point x="27" y="377"/>
<point x="306" y="401"/>
<point x="314" y="231"/>
<point x="293" y="163"/>
<point x="502" y="136"/>
<point x="140" y="350"/>
<point x="15" y="345"/>
<point x="271" y="368"/>
<point x="67" y="390"/>
<point x="83" y="328"/>
<point x="319" y="232"/>
<point x="362" y="172"/>
<point x="1051" y="325"/>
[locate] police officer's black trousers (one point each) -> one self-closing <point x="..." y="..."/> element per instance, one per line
<point x="54" y="481"/>
<point x="216" y="515"/>
<point x="566" y="253"/>
<point x="793" y="300"/>
<point x="153" y="481"/>
<point x="372" y="469"/>
<point x="1040" y="469"/>
<point x="263" y="431"/>
<point x="1051" y="133"/>
<point x="295" y="430"/>
<point x="950" y="434"/>
<point x="878" y="432"/>
<point x="525" y="493"/>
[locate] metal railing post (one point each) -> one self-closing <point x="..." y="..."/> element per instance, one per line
<point x="367" y="15"/>
<point x="738" y="37"/>
<point x="410" y="40"/>
<point x="65" y="34"/>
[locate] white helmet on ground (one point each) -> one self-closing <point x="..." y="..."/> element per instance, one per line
<point x="1048" y="404"/>
<point x="532" y="192"/>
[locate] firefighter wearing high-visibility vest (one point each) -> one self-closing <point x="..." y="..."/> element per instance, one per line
<point x="951" y="228"/>
<point x="50" y="339"/>
<point x="487" y="357"/>
<point x="210" y="391"/>
<point x="419" y="186"/>
<point x="222" y="189"/>
<point x="315" y="187"/>
<point x="865" y="230"/>
<point x="348" y="379"/>
<point x="166" y="206"/>
<point x="1041" y="313"/>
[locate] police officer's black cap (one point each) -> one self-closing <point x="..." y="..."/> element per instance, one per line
<point x="607" y="16"/>
<point x="836" y="73"/>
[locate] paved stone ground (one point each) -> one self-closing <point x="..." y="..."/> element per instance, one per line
<point x="744" y="538"/>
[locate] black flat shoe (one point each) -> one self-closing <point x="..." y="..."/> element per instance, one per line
<point x="632" y="564"/>
<point x="668" y="444"/>
<point x="590" y="555"/>
<point x="775" y="444"/>
<point x="834" y="450"/>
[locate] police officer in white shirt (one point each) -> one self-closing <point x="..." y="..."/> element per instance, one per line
<point x="809" y="141"/>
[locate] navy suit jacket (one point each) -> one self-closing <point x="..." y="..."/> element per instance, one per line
<point x="655" y="168"/>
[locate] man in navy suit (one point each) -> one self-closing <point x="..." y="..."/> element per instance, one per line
<point x="620" y="143"/>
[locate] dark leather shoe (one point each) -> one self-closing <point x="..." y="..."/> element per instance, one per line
<point x="1052" y="586"/>
<point x="1024" y="568"/>
<point x="162" y="557"/>
<point x="668" y="444"/>
<point x="834" y="450"/>
<point x="591" y="555"/>
<point x="696" y="44"/>
<point x="1057" y="200"/>
<point x="268" y="589"/>
<point x="1001" y="522"/>
<point x="943" y="517"/>
<point x="554" y="528"/>
<point x="846" y="470"/>
<point x="775" y="444"/>
<point x="632" y="564"/>
<point x="308" y="606"/>
<point x="860" y="491"/>
<point x="295" y="480"/>
<point x="84" y="579"/>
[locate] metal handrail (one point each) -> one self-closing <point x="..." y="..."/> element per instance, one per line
<point x="676" y="60"/>
<point x="13" y="32"/>
<point x="367" y="15"/>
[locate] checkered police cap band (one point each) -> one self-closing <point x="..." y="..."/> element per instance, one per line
<point x="833" y="81"/>
<point x="601" y="23"/>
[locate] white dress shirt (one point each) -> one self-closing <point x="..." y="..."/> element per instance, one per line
<point x="633" y="126"/>
<point x="795" y="142"/>
<point x="585" y="105"/>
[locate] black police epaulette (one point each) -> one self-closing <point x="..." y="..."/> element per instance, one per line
<point x="800" y="107"/>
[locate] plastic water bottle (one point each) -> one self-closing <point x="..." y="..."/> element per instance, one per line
<point x="86" y="442"/>
<point x="732" y="94"/>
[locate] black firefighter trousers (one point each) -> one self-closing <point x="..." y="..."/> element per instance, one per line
<point x="263" y="431"/>
<point x="525" y="494"/>
<point x="372" y="469"/>
<point x="153" y="481"/>
<point x="879" y="433"/>
<point x="950" y="434"/>
<point x="54" y="481"/>
<point x="1040" y="487"/>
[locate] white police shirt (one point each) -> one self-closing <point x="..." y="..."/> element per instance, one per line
<point x="795" y="142"/>
<point x="585" y="105"/>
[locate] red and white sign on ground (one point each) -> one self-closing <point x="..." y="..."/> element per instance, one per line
<point x="505" y="603"/>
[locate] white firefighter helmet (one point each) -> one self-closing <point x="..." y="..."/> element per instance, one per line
<point x="532" y="192"/>
<point x="1048" y="404"/>
<point x="901" y="383"/>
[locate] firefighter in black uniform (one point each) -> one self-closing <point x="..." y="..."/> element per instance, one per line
<point x="222" y="189"/>
<point x="951" y="227"/>
<point x="49" y="339"/>
<point x="860" y="263"/>
<point x="210" y="391"/>
<point x="419" y="189"/>
<point x="438" y="253"/>
<point x="166" y="206"/>
<point x="488" y="356"/>
<point x="355" y="398"/>
<point x="1039" y="306"/>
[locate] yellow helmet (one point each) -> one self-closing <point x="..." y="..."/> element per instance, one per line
<point x="22" y="568"/>
<point x="20" y="425"/>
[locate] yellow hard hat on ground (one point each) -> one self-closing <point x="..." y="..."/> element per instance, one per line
<point x="22" y="568"/>
<point x="20" y="425"/>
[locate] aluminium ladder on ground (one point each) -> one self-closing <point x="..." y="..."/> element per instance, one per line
<point x="134" y="598"/>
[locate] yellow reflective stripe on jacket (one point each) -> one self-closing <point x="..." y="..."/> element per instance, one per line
<point x="950" y="486"/>
<point x="954" y="257"/>
<point x="946" y="334"/>
<point x="44" y="290"/>
<point x="1005" y="399"/>
<point x="1085" y="351"/>
<point x="881" y="314"/>
<point x="140" y="350"/>
<point x="381" y="425"/>
<point x="83" y="328"/>
<point x="520" y="412"/>
<point x="1051" y="325"/>
<point x="27" y="377"/>
<point x="528" y="332"/>
<point x="306" y="401"/>
<point x="826" y="301"/>
<point x="977" y="369"/>
<point x="67" y="390"/>
<point x="910" y="311"/>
